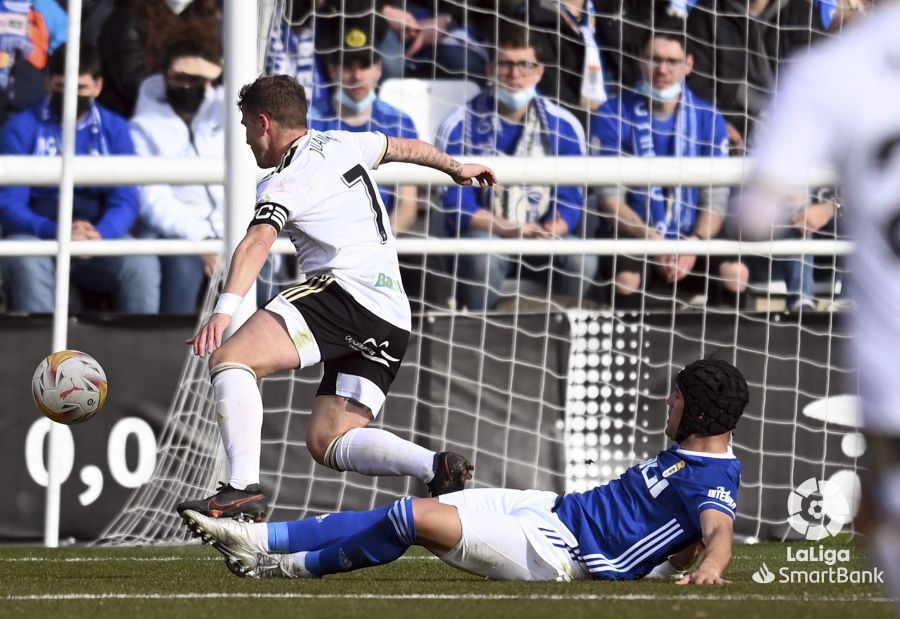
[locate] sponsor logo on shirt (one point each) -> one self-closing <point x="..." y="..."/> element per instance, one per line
<point x="673" y="469"/>
<point x="385" y="281"/>
<point x="721" y="494"/>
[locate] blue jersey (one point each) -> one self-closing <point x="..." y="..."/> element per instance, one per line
<point x="625" y="126"/>
<point x="630" y="525"/>
<point x="385" y="119"/>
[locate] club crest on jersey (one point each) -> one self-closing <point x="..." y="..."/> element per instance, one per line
<point x="673" y="469"/>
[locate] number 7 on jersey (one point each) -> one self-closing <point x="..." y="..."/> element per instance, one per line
<point x="353" y="176"/>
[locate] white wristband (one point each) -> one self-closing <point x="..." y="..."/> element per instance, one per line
<point x="228" y="303"/>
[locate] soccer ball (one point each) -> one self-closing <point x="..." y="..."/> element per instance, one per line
<point x="69" y="387"/>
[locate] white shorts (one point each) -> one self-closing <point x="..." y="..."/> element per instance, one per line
<point x="512" y="535"/>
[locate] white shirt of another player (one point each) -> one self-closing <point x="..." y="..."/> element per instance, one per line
<point x="323" y="196"/>
<point x="840" y="105"/>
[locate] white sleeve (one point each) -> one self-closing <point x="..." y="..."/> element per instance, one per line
<point x="372" y="145"/>
<point x="798" y="134"/>
<point x="801" y="129"/>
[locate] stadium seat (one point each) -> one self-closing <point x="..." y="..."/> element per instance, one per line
<point x="428" y="102"/>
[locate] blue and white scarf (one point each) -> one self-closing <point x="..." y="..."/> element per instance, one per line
<point x="294" y="53"/>
<point x="592" y="90"/>
<point x="14" y="35"/>
<point x="527" y="203"/>
<point x="49" y="133"/>
<point x="675" y="213"/>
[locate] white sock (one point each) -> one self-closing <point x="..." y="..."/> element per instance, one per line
<point x="259" y="533"/>
<point x="239" y="412"/>
<point x="371" y="451"/>
<point x="296" y="565"/>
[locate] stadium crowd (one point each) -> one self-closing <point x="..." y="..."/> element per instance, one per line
<point x="634" y="78"/>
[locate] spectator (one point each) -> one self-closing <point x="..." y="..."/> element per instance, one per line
<point x="29" y="32"/>
<point x="832" y="15"/>
<point x="94" y="14"/>
<point x="98" y="212"/>
<point x="292" y="46"/>
<point x="734" y="49"/>
<point x="680" y="8"/>
<point x="622" y="30"/>
<point x="57" y="23"/>
<point x="431" y="40"/>
<point x="813" y="217"/>
<point x="355" y="69"/>
<point x="796" y="26"/>
<point x="574" y="73"/>
<point x="134" y="39"/>
<point x="514" y="119"/>
<point x="664" y="118"/>
<point x="739" y="47"/>
<point x="180" y="113"/>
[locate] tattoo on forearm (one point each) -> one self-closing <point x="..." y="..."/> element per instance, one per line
<point x="421" y="153"/>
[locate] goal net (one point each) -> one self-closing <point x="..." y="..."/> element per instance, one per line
<point x="554" y="385"/>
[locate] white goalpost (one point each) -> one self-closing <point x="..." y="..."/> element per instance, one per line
<point x="544" y="390"/>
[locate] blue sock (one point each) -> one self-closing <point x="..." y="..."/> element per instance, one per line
<point x="320" y="531"/>
<point x="382" y="542"/>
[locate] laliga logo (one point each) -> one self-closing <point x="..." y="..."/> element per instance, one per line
<point x="817" y="509"/>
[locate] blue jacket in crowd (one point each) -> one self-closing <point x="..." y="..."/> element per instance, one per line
<point x="34" y="210"/>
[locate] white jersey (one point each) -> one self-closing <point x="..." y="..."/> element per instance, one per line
<point x="840" y="105"/>
<point x="323" y="196"/>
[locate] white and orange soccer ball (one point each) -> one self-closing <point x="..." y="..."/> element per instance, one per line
<point x="69" y="387"/>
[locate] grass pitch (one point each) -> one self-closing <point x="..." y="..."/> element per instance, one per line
<point x="193" y="582"/>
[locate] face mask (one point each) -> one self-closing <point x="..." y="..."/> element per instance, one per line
<point x="660" y="94"/>
<point x="186" y="100"/>
<point x="344" y="100"/>
<point x="81" y="107"/>
<point x="515" y="100"/>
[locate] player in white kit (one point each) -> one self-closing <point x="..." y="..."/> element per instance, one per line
<point x="351" y="312"/>
<point x="839" y="105"/>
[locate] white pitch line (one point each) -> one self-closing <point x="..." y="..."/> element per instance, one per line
<point x="147" y="559"/>
<point x="631" y="597"/>
<point x="98" y="559"/>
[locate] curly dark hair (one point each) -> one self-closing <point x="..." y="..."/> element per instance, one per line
<point x="200" y="22"/>
<point x="280" y="97"/>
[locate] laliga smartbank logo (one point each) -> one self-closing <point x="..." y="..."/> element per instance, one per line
<point x="817" y="510"/>
<point x="818" y="565"/>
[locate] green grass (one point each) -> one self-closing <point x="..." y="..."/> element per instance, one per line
<point x="193" y="581"/>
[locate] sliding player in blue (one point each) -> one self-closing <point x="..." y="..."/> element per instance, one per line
<point x="653" y="520"/>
